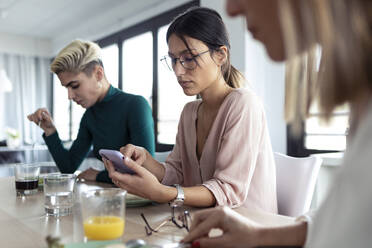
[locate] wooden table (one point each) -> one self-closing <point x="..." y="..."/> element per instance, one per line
<point x="24" y="224"/>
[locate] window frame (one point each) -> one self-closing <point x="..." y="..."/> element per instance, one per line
<point x="296" y="144"/>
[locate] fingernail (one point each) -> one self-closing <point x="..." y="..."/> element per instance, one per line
<point x="195" y="244"/>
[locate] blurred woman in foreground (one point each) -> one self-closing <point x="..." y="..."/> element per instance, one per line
<point x="290" y="30"/>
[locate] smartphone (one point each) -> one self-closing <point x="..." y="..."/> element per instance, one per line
<point x="116" y="159"/>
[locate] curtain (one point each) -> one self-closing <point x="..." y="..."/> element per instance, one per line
<point x="32" y="89"/>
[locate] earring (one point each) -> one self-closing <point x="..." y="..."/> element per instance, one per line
<point x="99" y="85"/>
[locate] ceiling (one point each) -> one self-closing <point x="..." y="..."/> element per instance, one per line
<point x="43" y="27"/>
<point x="51" y="18"/>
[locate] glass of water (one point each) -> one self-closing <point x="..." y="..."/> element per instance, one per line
<point x="59" y="194"/>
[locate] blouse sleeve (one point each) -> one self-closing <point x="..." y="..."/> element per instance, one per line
<point x="238" y="151"/>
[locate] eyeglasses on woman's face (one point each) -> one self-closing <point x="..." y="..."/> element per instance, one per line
<point x="188" y="61"/>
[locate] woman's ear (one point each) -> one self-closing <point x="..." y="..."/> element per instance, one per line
<point x="220" y="56"/>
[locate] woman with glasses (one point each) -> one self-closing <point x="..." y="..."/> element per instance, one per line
<point x="222" y="154"/>
<point x="289" y="30"/>
<point x="112" y="118"/>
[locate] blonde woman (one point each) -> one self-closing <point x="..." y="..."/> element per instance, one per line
<point x="223" y="154"/>
<point x="288" y="28"/>
<point x="112" y="119"/>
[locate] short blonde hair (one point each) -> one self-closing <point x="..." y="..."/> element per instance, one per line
<point x="78" y="56"/>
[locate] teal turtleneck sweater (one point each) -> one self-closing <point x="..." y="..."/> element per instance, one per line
<point x="117" y="120"/>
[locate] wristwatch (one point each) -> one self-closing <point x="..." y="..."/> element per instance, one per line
<point x="178" y="202"/>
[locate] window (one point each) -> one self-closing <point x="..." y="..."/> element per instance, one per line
<point x="326" y="136"/>
<point x="319" y="136"/>
<point x="170" y="95"/>
<point x="110" y="60"/>
<point x="137" y="65"/>
<point x="66" y="114"/>
<point x="61" y="109"/>
<point x="76" y="114"/>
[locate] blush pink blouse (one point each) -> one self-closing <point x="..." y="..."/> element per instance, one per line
<point x="237" y="163"/>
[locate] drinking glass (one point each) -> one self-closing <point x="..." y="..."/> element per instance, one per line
<point x="59" y="194"/>
<point x="26" y="179"/>
<point x="103" y="212"/>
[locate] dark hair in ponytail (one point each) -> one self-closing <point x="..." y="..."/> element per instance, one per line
<point x="206" y="25"/>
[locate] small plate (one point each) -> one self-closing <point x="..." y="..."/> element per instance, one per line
<point x="136" y="201"/>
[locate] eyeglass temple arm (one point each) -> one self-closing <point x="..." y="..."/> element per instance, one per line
<point x="148" y="228"/>
<point x="187" y="214"/>
<point x="184" y="219"/>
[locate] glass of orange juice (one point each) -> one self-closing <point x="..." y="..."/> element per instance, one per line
<point x="103" y="212"/>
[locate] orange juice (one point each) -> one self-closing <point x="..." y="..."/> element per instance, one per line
<point x="103" y="227"/>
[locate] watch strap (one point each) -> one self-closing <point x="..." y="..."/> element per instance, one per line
<point x="178" y="201"/>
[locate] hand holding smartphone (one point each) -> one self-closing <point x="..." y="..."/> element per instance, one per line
<point x="116" y="159"/>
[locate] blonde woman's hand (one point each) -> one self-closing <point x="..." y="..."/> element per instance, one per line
<point x="237" y="230"/>
<point x="136" y="153"/>
<point x="143" y="183"/>
<point x="43" y="119"/>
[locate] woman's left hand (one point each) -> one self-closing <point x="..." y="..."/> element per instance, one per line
<point x="237" y="230"/>
<point x="143" y="183"/>
<point x="89" y="174"/>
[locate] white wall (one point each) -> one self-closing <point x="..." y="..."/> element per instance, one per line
<point x="266" y="77"/>
<point x="235" y="27"/>
<point x="25" y="45"/>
